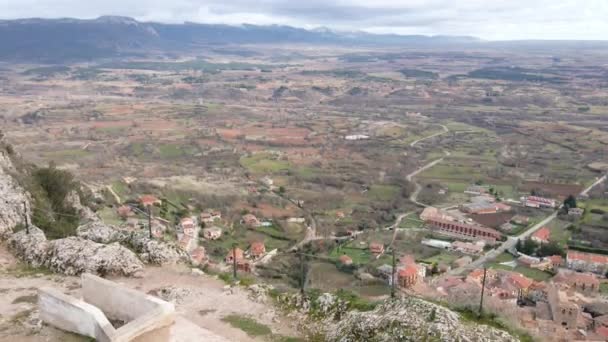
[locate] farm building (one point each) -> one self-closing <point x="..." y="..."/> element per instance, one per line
<point x="407" y="276"/>
<point x="376" y="248"/>
<point x="251" y="221"/>
<point x="464" y="230"/>
<point x="211" y="216"/>
<point x="149" y="200"/>
<point x="187" y="225"/>
<point x="236" y="253"/>
<point x="538" y="202"/>
<point x="212" y="233"/>
<point x="476" y="190"/>
<point x="436" y="243"/>
<point x="587" y="262"/>
<point x="257" y="249"/>
<point x="468" y="247"/>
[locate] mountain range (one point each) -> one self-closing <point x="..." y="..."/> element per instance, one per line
<point x="53" y="40"/>
<point x="67" y="39"/>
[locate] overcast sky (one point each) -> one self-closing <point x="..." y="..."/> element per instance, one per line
<point x="488" y="19"/>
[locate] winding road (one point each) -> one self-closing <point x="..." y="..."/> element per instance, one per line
<point x="512" y="240"/>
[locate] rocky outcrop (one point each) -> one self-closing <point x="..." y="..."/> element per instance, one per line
<point x="149" y="250"/>
<point x="86" y="214"/>
<point x="155" y="251"/>
<point x="74" y="255"/>
<point x="100" y="232"/>
<point x="12" y="197"/>
<point x="410" y="319"/>
<point x="30" y="248"/>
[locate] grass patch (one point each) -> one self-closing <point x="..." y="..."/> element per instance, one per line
<point x="383" y="192"/>
<point x="109" y="216"/>
<point x="360" y="256"/>
<point x="264" y="163"/>
<point x="250" y="326"/>
<point x="172" y="151"/>
<point x="74" y="153"/>
<point x="443" y="257"/>
<point x="604" y="288"/>
<point x="531" y="273"/>
<point x="504" y="257"/>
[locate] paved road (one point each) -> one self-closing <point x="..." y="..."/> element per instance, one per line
<point x="511" y="241"/>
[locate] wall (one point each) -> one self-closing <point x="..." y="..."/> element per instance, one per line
<point x="73" y="315"/>
<point x="117" y="301"/>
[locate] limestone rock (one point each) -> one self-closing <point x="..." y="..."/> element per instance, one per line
<point x="30" y="248"/>
<point x="73" y="255"/>
<point x="86" y="214"/>
<point x="411" y="319"/>
<point x="155" y="251"/>
<point x="100" y="232"/>
<point x="12" y="197"/>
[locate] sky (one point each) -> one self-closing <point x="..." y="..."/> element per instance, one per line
<point x="486" y="19"/>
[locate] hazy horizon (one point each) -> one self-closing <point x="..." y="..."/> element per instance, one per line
<point x="499" y="20"/>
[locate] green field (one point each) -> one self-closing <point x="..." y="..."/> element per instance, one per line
<point x="559" y="232"/>
<point x="360" y="256"/>
<point x="383" y="192"/>
<point x="443" y="257"/>
<point x="264" y="163"/>
<point x="109" y="216"/>
<point x="172" y="151"/>
<point x="531" y="273"/>
<point x="73" y="153"/>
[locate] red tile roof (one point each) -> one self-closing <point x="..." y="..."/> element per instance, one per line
<point x="376" y="247"/>
<point x="237" y="252"/>
<point x="587" y="257"/>
<point x="584" y="278"/>
<point x="542" y="234"/>
<point x="408" y="271"/>
<point x="148" y="199"/>
<point x="345" y="259"/>
<point x="556" y="259"/>
<point x="520" y="281"/>
<point x="258" y="248"/>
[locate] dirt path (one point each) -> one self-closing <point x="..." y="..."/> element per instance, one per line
<point x="116" y="197"/>
<point x="203" y="300"/>
<point x="410" y="178"/>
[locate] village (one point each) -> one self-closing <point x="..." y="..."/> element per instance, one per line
<point x="511" y="251"/>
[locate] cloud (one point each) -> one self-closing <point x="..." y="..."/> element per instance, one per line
<point x="490" y="19"/>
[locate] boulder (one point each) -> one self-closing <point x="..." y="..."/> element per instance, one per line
<point x="410" y="319"/>
<point x="73" y="255"/>
<point x="30" y="248"/>
<point x="12" y="197"/>
<point x="155" y="251"/>
<point x="100" y="232"/>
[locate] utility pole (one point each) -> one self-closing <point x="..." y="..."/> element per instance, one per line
<point x="149" y="222"/>
<point x="27" y="222"/>
<point x="234" y="261"/>
<point x="483" y="286"/>
<point x="302" y="275"/>
<point x="393" y="275"/>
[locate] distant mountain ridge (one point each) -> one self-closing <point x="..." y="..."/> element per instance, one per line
<point x="54" y="40"/>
